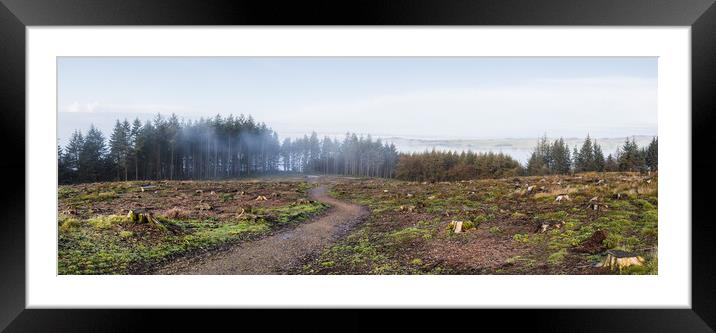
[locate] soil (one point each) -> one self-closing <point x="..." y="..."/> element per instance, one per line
<point x="593" y="244"/>
<point x="280" y="252"/>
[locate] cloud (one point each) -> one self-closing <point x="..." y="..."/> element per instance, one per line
<point x="529" y="108"/>
<point x="81" y="107"/>
<point x="96" y="107"/>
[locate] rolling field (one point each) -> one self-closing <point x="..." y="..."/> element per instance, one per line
<point x="521" y="225"/>
<point x="512" y="230"/>
<point x="97" y="237"/>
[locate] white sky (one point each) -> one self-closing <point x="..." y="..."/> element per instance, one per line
<point x="420" y="97"/>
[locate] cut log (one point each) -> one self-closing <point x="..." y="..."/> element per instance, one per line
<point x="530" y="189"/>
<point x="147" y="187"/>
<point x="543" y="226"/>
<point x="619" y="260"/>
<point x="561" y="197"/>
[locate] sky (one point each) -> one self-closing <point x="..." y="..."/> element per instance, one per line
<point x="412" y="97"/>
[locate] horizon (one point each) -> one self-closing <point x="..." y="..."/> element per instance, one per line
<point x="519" y="148"/>
<point x="411" y="98"/>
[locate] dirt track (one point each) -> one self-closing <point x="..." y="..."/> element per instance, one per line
<point x="279" y="252"/>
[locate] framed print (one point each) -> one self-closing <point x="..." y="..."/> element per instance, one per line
<point x="417" y="156"/>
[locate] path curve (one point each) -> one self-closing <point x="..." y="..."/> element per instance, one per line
<point x="277" y="253"/>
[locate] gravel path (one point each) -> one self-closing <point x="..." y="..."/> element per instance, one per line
<point x="279" y="252"/>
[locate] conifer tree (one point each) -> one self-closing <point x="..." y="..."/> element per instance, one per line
<point x="630" y="158"/>
<point x="652" y="155"/>
<point x="92" y="164"/>
<point x="585" y="159"/>
<point x="599" y="162"/>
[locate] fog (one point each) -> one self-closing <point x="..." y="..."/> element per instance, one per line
<point x="443" y="100"/>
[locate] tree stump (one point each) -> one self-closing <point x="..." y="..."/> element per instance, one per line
<point x="530" y="189"/>
<point x="618" y="260"/>
<point x="458" y="227"/>
<point x="563" y="196"/>
<point x="140" y="215"/>
<point x="543" y="226"/>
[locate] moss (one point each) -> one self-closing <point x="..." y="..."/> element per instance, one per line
<point x="512" y="260"/>
<point x="482" y="218"/>
<point x="67" y="224"/>
<point x="522" y="238"/>
<point x="641" y="203"/>
<point x="410" y="234"/>
<point x="99" y="196"/>
<point x="107" y="221"/>
<point x="416" y="262"/>
<point x="98" y="247"/>
<point x="557" y="257"/>
<point x="495" y="230"/>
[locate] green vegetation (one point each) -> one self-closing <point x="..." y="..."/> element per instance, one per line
<point x="113" y="244"/>
<point x="410" y="223"/>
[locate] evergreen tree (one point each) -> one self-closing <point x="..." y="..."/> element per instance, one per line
<point x="561" y="159"/>
<point x="652" y="155"/>
<point x="598" y="158"/>
<point x="92" y="164"/>
<point x="610" y="164"/>
<point x="133" y="135"/>
<point x="119" y="147"/>
<point x="71" y="157"/>
<point x="585" y="159"/>
<point x="630" y="158"/>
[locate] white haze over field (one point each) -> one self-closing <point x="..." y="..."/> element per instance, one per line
<point x="416" y="103"/>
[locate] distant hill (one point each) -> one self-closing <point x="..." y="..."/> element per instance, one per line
<point x="519" y="148"/>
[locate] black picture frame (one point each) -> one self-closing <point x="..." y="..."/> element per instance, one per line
<point x="16" y="15"/>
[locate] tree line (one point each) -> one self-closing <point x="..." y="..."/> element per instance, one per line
<point x="215" y="148"/>
<point x="451" y="166"/>
<point x="548" y="158"/>
<point x="167" y="148"/>
<point x="232" y="147"/>
<point x="555" y="157"/>
<point x="354" y="156"/>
